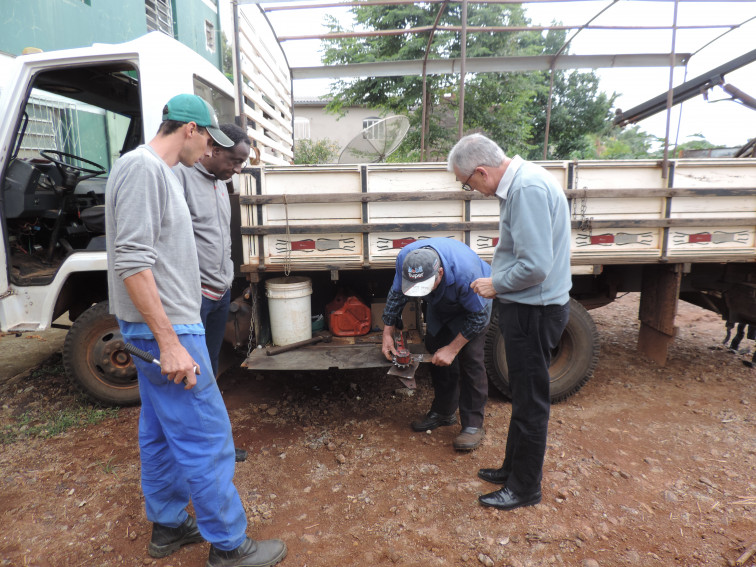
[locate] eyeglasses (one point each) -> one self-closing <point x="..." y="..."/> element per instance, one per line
<point x="465" y="186"/>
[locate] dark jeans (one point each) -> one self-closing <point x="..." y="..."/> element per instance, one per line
<point x="464" y="384"/>
<point x="214" y="315"/>
<point x="530" y="333"/>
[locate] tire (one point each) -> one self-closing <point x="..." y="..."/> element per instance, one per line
<point x="95" y="361"/>
<point x="572" y="363"/>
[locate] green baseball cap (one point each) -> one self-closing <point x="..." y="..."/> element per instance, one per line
<point x="192" y="108"/>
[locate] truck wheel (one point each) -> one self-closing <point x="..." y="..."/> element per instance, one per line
<point x="95" y="361"/>
<point x="572" y="363"/>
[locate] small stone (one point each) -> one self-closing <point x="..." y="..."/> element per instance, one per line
<point x="670" y="496"/>
<point x="590" y="563"/>
<point x="341" y="458"/>
<point x="272" y="411"/>
<point x="393" y="556"/>
<point x="485" y="560"/>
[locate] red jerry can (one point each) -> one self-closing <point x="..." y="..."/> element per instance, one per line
<point x="348" y="316"/>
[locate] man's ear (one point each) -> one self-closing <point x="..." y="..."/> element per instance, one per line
<point x="216" y="150"/>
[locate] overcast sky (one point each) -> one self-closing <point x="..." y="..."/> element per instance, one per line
<point x="724" y="123"/>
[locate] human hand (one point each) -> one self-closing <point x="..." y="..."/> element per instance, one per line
<point x="387" y="348"/>
<point x="484" y="287"/>
<point x="179" y="366"/>
<point x="444" y="356"/>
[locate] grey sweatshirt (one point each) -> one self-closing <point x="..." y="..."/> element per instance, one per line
<point x="211" y="220"/>
<point x="148" y="227"/>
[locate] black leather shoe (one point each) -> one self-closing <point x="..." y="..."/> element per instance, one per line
<point x="505" y="499"/>
<point x="241" y="455"/>
<point x="166" y="540"/>
<point x="251" y="553"/>
<point x="432" y="420"/>
<point x="496" y="476"/>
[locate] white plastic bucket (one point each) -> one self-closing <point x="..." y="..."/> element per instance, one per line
<point x="289" y="309"/>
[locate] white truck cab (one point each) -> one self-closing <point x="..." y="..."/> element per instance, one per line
<point x="66" y="117"/>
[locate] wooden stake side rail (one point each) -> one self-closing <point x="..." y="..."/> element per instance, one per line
<point x="485" y="226"/>
<point x="351" y="217"/>
<point x="475" y="196"/>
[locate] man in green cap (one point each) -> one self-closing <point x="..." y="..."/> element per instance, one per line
<point x="186" y="449"/>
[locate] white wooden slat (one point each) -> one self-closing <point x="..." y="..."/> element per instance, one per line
<point x="255" y="78"/>
<point x="258" y="117"/>
<point x="270" y="143"/>
<point x="282" y="121"/>
<point x="254" y="65"/>
<point x="281" y="71"/>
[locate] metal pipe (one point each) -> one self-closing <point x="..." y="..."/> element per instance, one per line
<point x="463" y="56"/>
<point x="670" y="95"/>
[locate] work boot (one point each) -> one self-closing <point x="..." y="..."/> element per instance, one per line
<point x="251" y="553"/>
<point x="166" y="540"/>
<point x="432" y="420"/>
<point x="469" y="438"/>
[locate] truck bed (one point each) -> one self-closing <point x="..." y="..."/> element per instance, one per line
<point x="352" y="217"/>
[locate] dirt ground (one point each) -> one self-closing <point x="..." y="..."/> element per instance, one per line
<point x="645" y="466"/>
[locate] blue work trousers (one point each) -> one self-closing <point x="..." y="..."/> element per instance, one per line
<point x="214" y="315"/>
<point x="187" y="451"/>
<point x="531" y="333"/>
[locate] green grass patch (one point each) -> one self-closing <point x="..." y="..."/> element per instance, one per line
<point x="49" y="424"/>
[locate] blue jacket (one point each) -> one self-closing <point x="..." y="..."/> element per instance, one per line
<point x="453" y="303"/>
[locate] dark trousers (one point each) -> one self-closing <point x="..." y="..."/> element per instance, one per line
<point x="214" y="315"/>
<point x="530" y="333"/>
<point x="463" y="384"/>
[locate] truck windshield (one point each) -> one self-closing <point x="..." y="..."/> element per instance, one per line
<point x="60" y="123"/>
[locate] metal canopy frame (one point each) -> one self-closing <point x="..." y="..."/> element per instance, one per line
<point x="558" y="61"/>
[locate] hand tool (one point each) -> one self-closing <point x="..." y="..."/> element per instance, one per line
<point x="272" y="351"/>
<point x="146" y="356"/>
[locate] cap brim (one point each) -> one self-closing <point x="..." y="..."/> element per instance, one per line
<point x="418" y="289"/>
<point x="219" y="137"/>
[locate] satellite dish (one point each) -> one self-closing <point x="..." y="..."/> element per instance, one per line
<point x="376" y="142"/>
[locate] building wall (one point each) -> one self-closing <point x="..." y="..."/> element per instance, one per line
<point x="331" y="126"/>
<point x="63" y="24"/>
<point x="189" y="18"/>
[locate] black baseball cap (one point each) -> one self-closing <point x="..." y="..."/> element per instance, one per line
<point x="419" y="271"/>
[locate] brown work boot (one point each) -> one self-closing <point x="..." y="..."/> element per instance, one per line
<point x="469" y="438"/>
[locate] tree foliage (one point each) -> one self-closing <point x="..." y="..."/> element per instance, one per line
<point x="508" y="107"/>
<point x="308" y="152"/>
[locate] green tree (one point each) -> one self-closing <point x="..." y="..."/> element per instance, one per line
<point x="227" y="58"/>
<point x="614" y="143"/>
<point x="510" y="107"/>
<point x="308" y="152"/>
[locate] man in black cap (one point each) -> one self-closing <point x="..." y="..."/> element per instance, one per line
<point x="441" y="271"/>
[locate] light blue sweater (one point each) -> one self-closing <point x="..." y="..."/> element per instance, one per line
<point x="531" y="263"/>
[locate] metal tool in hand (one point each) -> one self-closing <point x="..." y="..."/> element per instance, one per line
<point x="401" y="358"/>
<point x="404" y="362"/>
<point x="146" y="356"/>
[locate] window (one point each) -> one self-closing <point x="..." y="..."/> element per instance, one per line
<point x="210" y="36"/>
<point x="159" y="16"/>
<point x="373" y="128"/>
<point x="301" y="128"/>
<point x="222" y="103"/>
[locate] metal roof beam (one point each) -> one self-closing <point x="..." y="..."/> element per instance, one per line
<point x="683" y="92"/>
<point x="487" y="65"/>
